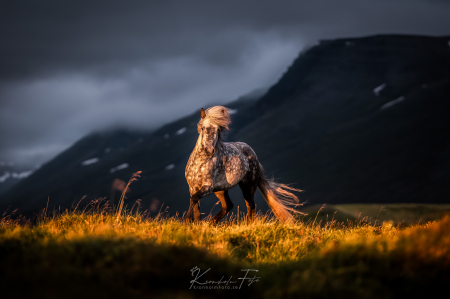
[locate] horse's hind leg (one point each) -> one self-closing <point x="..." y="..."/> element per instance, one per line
<point x="227" y="205"/>
<point x="248" y="190"/>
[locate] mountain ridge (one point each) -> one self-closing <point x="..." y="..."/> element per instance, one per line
<point x="321" y="126"/>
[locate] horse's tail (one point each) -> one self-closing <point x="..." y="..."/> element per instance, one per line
<point x="279" y="198"/>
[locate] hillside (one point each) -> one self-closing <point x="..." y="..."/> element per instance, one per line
<point x="94" y="254"/>
<point x="360" y="120"/>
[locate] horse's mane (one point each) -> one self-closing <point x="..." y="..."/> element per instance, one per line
<point x="220" y="116"/>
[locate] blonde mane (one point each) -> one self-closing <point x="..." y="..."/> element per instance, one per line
<point x="220" y="116"/>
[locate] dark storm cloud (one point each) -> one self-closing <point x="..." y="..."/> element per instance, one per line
<point x="71" y="67"/>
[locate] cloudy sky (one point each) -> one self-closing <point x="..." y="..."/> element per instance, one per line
<point x="68" y="68"/>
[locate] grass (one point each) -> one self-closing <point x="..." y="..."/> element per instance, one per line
<point x="398" y="214"/>
<point x="91" y="253"/>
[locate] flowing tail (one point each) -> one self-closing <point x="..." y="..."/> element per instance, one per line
<point x="279" y="198"/>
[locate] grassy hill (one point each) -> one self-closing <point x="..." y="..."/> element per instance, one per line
<point x="91" y="254"/>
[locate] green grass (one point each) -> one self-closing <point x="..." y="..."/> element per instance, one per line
<point x="91" y="255"/>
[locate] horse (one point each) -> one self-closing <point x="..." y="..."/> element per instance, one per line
<point x="217" y="166"/>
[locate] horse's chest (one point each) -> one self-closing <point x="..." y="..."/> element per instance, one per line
<point x="198" y="169"/>
<point x="199" y="173"/>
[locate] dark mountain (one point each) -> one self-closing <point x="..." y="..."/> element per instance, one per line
<point x="68" y="170"/>
<point x="11" y="174"/>
<point x="352" y="120"/>
<point x="361" y="120"/>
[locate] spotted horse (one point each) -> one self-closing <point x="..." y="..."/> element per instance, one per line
<point x="216" y="166"/>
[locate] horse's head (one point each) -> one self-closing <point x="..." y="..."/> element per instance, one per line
<point x="209" y="133"/>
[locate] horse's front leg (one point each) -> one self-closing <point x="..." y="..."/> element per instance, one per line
<point x="195" y="203"/>
<point x="227" y="205"/>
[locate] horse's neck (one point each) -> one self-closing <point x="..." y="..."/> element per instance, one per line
<point x="198" y="145"/>
<point x="199" y="149"/>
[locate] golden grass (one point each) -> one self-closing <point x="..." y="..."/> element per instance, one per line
<point x="265" y="240"/>
<point x="301" y="258"/>
<point x="133" y="178"/>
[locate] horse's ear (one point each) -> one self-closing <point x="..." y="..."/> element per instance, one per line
<point x="202" y="113"/>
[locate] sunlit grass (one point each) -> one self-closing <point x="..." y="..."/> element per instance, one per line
<point x="303" y="258"/>
<point x="265" y="240"/>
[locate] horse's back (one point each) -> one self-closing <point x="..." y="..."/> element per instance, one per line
<point x="244" y="148"/>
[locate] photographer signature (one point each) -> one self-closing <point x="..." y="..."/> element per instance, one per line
<point x="197" y="281"/>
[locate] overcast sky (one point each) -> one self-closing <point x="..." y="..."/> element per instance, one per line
<point x="68" y="68"/>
